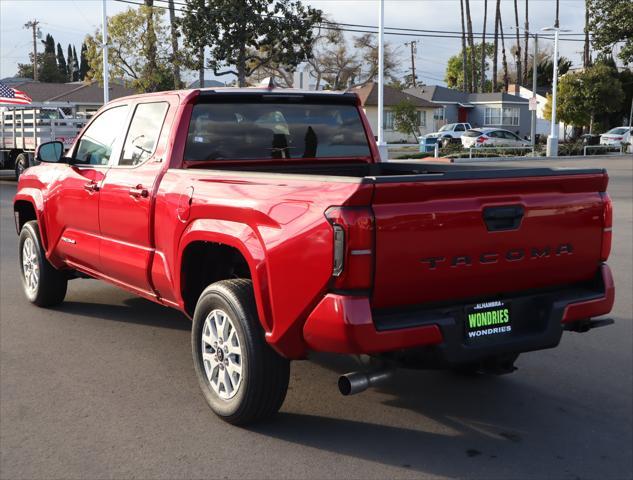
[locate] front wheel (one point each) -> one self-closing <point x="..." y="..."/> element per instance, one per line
<point x="21" y="164"/>
<point x="43" y="284"/>
<point x="242" y="378"/>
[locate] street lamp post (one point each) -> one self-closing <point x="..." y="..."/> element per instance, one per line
<point x="382" y="146"/>
<point x="552" y="140"/>
<point x="106" y="92"/>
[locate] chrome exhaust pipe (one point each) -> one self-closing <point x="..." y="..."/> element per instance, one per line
<point x="356" y="382"/>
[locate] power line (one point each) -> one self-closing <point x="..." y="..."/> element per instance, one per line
<point x="362" y="28"/>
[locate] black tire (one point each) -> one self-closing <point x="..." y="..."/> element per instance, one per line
<point x="21" y="164"/>
<point x="263" y="382"/>
<point x="52" y="284"/>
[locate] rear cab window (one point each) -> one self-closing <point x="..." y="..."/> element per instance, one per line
<point x="269" y="129"/>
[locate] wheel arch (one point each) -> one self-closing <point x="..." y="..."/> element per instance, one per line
<point x="214" y="250"/>
<point x="27" y="206"/>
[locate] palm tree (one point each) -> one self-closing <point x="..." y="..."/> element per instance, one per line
<point x="483" y="49"/>
<point x="526" y="44"/>
<point x="506" y="77"/>
<point x="496" y="49"/>
<point x="174" y="45"/>
<point x="464" y="87"/>
<point x="471" y="45"/>
<point x="586" y="57"/>
<point x="516" y="26"/>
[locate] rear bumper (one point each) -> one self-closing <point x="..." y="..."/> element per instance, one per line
<point x="345" y="324"/>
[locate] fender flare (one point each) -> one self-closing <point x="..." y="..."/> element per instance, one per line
<point x="35" y="198"/>
<point x="244" y="239"/>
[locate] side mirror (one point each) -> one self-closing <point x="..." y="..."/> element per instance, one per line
<point x="49" y="152"/>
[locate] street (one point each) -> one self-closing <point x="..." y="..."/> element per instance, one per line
<point x="104" y="387"/>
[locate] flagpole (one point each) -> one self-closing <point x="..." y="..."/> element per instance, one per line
<point x="382" y="147"/>
<point x="106" y="92"/>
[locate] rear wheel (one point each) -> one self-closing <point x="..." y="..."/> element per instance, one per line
<point x="43" y="284"/>
<point x="242" y="378"/>
<point x="21" y="164"/>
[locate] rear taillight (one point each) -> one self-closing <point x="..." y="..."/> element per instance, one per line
<point x="607" y="226"/>
<point x="482" y="139"/>
<point x="353" y="242"/>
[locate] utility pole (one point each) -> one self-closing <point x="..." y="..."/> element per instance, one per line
<point x="534" y="71"/>
<point x="414" y="50"/>
<point x="36" y="34"/>
<point x="106" y="74"/>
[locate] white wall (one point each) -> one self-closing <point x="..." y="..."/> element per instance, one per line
<point x="393" y="136"/>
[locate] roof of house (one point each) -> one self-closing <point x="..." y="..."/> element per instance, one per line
<point x="72" y="92"/>
<point x="207" y="84"/>
<point x="392" y="96"/>
<point x="440" y="94"/>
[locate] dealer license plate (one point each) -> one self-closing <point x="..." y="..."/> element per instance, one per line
<point x="488" y="320"/>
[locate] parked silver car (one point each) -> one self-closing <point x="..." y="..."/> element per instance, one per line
<point x="492" y="137"/>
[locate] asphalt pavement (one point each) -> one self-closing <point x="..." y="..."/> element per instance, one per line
<point x="103" y="387"/>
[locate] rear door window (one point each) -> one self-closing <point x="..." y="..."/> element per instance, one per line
<point x="142" y="136"/>
<point x="267" y="130"/>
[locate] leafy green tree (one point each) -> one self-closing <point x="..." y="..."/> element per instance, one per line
<point x="611" y="21"/>
<point x="49" y="71"/>
<point x="454" y="76"/>
<point x="75" y="66"/>
<point x="405" y="118"/>
<point x="127" y="48"/>
<point x="244" y="35"/>
<point x="545" y="70"/>
<point x="584" y="96"/>
<point x="61" y="62"/>
<point x="83" y="63"/>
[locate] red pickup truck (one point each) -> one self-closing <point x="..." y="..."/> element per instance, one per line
<point x="266" y="216"/>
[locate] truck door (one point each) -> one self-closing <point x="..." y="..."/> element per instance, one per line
<point x="126" y="204"/>
<point x="73" y="204"/>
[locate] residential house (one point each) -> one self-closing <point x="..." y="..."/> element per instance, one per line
<point x="79" y="97"/>
<point x="500" y="110"/>
<point x="368" y="95"/>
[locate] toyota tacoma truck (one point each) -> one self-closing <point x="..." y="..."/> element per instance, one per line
<point x="267" y="218"/>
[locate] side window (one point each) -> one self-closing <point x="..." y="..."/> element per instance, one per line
<point x="142" y="136"/>
<point x="459" y="128"/>
<point x="494" y="134"/>
<point x="95" y="145"/>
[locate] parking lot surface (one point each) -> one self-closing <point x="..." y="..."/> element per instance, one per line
<point x="103" y="387"/>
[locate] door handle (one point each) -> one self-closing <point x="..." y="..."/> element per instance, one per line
<point x="139" y="192"/>
<point x="91" y="187"/>
<point x="503" y="218"/>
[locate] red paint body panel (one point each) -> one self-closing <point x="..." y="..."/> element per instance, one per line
<point x="344" y="324"/>
<point x="277" y="222"/>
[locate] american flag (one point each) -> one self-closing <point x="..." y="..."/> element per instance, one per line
<point x="12" y="96"/>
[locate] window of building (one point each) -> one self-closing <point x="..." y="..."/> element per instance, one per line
<point x="502" y="116"/>
<point x="388" y="120"/>
<point x="422" y="118"/>
<point x="439" y="114"/>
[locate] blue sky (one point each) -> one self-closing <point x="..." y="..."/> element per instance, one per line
<point x="70" y="20"/>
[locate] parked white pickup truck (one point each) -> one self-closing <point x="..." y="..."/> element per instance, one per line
<point x="443" y="136"/>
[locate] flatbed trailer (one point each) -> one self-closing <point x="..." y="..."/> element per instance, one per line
<point x="23" y="128"/>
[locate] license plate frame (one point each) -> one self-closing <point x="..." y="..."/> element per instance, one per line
<point x="487" y="320"/>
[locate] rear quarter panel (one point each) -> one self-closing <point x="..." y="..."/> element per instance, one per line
<point x="276" y="221"/>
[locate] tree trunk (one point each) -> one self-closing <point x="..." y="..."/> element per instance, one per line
<point x="518" y="36"/>
<point x="495" y="59"/>
<point x="241" y="67"/>
<point x="201" y="67"/>
<point x="506" y="78"/>
<point x="526" y="45"/>
<point x="586" y="58"/>
<point x="174" y="45"/>
<point x="150" y="50"/>
<point x="483" y="50"/>
<point x="464" y="69"/>
<point x="471" y="45"/>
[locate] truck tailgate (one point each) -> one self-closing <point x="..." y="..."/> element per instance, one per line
<point x="442" y="239"/>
